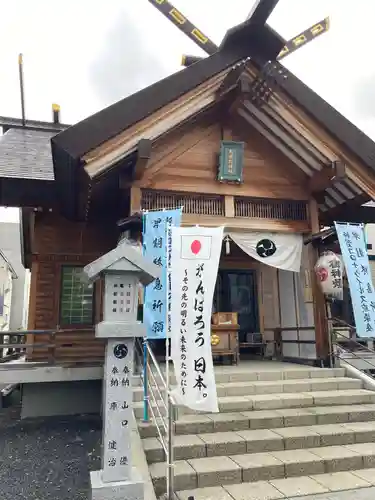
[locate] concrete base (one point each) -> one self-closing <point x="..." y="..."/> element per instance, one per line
<point x="121" y="490"/>
<point x="61" y="398"/>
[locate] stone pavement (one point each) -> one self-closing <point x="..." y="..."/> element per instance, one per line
<point x="47" y="459"/>
<point x="361" y="494"/>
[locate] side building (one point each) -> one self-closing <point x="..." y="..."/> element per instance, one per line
<point x="16" y="284"/>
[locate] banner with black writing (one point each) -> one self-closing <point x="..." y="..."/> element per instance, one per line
<point x="354" y="253"/>
<point x="155" y="248"/>
<point x="194" y="266"/>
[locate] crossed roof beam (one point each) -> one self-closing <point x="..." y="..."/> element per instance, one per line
<point x="257" y="17"/>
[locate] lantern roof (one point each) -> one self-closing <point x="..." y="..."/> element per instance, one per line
<point x="122" y="260"/>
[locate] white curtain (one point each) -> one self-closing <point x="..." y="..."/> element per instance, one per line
<point x="281" y="250"/>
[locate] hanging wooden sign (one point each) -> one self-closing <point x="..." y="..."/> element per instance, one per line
<point x="231" y="161"/>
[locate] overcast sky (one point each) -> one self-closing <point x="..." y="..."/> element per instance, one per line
<point x="87" y="54"/>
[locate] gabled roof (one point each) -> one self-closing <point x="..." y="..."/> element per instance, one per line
<point x="165" y="107"/>
<point x="329" y="118"/>
<point x="26" y="154"/>
<point x="99" y="128"/>
<point x="109" y="122"/>
<point x="256" y="41"/>
<point x="7" y="123"/>
<point x="71" y="145"/>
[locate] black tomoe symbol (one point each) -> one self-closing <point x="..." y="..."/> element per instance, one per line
<point x="120" y="351"/>
<point x="265" y="248"/>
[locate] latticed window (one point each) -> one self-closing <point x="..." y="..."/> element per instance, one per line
<point x="76" y="299"/>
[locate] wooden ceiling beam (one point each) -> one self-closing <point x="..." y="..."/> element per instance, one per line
<point x="327" y="177"/>
<point x="236" y="94"/>
<point x="352" y="211"/>
<point x="310" y="161"/>
<point x="275" y="141"/>
<point x="364" y="177"/>
<point x="292" y="128"/>
<point x="143" y="157"/>
<point x="231" y="81"/>
<point x="281" y="108"/>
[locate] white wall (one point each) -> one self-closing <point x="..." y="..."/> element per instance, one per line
<point x="296" y="311"/>
<point x="370" y="235"/>
<point x="6" y="288"/>
<point x="10" y="245"/>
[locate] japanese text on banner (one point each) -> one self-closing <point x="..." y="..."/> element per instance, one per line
<point x="353" y="248"/>
<point x="195" y="262"/>
<point x="155" y="246"/>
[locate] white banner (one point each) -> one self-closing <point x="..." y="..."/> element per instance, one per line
<point x="280" y="250"/>
<point x="194" y="266"/>
<point x="354" y="252"/>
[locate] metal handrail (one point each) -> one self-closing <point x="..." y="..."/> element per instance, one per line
<point x="162" y="407"/>
<point x="347" y="360"/>
<point x="353" y="329"/>
<point x="343" y="323"/>
<point x="351" y="340"/>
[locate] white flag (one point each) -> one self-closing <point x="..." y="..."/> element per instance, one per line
<point x="281" y="250"/>
<point x="194" y="266"/>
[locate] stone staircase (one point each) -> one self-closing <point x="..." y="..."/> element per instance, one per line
<point x="280" y="433"/>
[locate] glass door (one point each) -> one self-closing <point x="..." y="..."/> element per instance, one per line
<point x="236" y="291"/>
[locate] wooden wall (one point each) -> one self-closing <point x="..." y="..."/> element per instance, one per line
<point x="184" y="161"/>
<point x="57" y="242"/>
<point x="187" y="161"/>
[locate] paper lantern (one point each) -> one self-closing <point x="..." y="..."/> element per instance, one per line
<point x="329" y="271"/>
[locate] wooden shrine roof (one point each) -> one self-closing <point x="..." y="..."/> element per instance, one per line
<point x="106" y="124"/>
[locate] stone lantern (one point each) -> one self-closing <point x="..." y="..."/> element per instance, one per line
<point x="123" y="268"/>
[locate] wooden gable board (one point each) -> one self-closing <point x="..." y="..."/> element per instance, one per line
<point x="190" y="164"/>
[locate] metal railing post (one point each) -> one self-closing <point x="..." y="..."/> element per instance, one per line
<point x="145" y="382"/>
<point x="170" y="464"/>
<point x="161" y="407"/>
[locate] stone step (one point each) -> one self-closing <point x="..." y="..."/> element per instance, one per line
<point x="268" y="466"/>
<point x="284" y="400"/>
<point x="286" y="488"/>
<point x="264" y="419"/>
<point x="275" y="387"/>
<point x="261" y="440"/>
<point x="225" y="375"/>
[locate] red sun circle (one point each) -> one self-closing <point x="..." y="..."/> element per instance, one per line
<point x="196" y="247"/>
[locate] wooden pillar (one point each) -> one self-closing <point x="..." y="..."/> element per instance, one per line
<point x="229" y="206"/>
<point x="135" y="199"/>
<point x="320" y="317"/>
<point x="32" y="305"/>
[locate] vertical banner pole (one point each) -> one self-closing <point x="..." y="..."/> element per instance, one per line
<point x="170" y="410"/>
<point x="167" y="335"/>
<point x="167" y="346"/>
